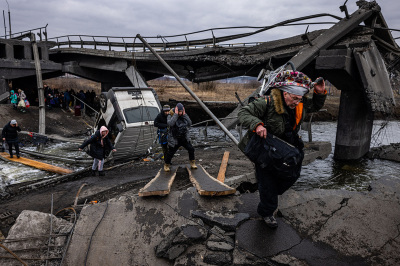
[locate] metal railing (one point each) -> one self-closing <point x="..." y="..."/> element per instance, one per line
<point x="129" y="43"/>
<point x="83" y="111"/>
<point x="42" y="31"/>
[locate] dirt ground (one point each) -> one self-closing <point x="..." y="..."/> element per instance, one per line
<point x="58" y="121"/>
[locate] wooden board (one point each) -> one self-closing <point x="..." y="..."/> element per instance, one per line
<point x="207" y="185"/>
<point x="36" y="164"/>
<point x="222" y="169"/>
<point x="160" y="185"/>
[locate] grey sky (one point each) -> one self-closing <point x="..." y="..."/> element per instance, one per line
<point x="169" y="17"/>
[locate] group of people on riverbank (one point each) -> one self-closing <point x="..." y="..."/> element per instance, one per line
<point x="65" y="99"/>
<point x="19" y="100"/>
<point x="54" y="98"/>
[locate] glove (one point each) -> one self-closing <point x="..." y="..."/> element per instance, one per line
<point x="171" y="112"/>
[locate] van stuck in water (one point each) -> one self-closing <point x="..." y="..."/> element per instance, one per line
<point x="129" y="114"/>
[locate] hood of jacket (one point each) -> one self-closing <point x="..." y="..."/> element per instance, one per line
<point x="276" y="94"/>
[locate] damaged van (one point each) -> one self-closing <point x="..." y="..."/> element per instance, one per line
<point x="129" y="114"/>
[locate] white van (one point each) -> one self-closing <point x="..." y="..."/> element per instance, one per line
<point x="129" y="114"/>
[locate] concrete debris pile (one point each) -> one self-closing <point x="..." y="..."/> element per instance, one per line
<point x="31" y="240"/>
<point x="218" y="243"/>
<point x="331" y="227"/>
<point x="387" y="152"/>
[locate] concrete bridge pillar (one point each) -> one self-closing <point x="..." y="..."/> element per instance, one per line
<point x="354" y="126"/>
<point x="4" y="91"/>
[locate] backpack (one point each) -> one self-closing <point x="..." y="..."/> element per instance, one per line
<point x="162" y="135"/>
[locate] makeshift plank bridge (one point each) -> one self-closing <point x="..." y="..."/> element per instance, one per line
<point x="36" y="164"/>
<point x="205" y="184"/>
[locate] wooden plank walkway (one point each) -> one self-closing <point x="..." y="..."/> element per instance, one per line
<point x="222" y="169"/>
<point x="160" y="185"/>
<point x="207" y="185"/>
<point x="36" y="164"/>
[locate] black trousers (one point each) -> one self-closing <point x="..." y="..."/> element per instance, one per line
<point x="181" y="143"/>
<point x="15" y="143"/>
<point x="164" y="149"/>
<point x="270" y="185"/>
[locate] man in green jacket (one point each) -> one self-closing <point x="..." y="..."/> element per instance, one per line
<point x="281" y="113"/>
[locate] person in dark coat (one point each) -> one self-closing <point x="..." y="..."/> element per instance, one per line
<point x="99" y="141"/>
<point x="162" y="124"/>
<point x="280" y="113"/>
<point x="82" y="97"/>
<point x="178" y="136"/>
<point x="67" y="99"/>
<point x="10" y="135"/>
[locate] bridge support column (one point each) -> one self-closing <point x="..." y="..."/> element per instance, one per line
<point x="354" y="128"/>
<point x="4" y="90"/>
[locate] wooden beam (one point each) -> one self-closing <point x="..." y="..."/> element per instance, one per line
<point x="222" y="168"/>
<point x="37" y="164"/>
<point x="207" y="185"/>
<point x="160" y="185"/>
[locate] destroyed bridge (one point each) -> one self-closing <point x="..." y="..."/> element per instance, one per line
<point x="357" y="55"/>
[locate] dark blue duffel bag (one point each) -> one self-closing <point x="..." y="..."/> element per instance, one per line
<point x="275" y="154"/>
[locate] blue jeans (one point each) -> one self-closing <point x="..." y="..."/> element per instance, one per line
<point x="98" y="164"/>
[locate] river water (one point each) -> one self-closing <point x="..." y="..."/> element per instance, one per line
<point x="330" y="174"/>
<point x="326" y="173"/>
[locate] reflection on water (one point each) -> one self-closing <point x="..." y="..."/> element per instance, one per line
<point x="355" y="175"/>
<point x="351" y="175"/>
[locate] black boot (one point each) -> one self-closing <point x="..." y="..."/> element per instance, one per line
<point x="101" y="173"/>
<point x="93" y="172"/>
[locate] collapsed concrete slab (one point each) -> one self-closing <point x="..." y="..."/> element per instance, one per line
<point x="335" y="227"/>
<point x="129" y="228"/>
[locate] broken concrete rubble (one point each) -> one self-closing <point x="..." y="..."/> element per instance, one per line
<point x="315" y="227"/>
<point x="227" y="221"/>
<point x="388" y="152"/>
<point x="30" y="238"/>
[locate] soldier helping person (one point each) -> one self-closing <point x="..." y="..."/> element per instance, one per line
<point x="178" y="136"/>
<point x="280" y="113"/>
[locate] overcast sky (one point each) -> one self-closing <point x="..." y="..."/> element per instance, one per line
<point x="168" y="17"/>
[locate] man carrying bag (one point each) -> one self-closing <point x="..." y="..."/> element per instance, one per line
<point x="272" y="141"/>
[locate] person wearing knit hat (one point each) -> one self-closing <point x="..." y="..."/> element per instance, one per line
<point x="280" y="112"/>
<point x="161" y="122"/>
<point x="178" y="136"/>
<point x="10" y="135"/>
<point x="99" y="143"/>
